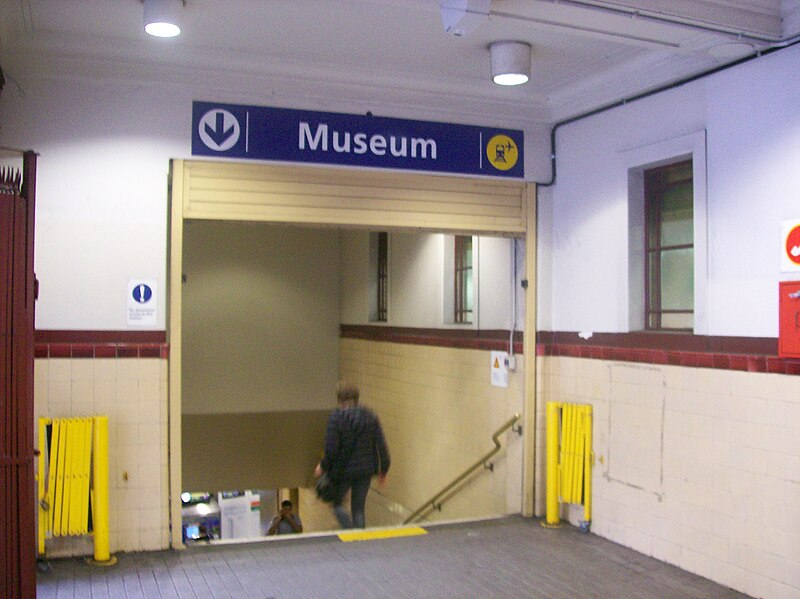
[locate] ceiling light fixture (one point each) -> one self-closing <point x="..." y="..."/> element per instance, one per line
<point x="161" y="17"/>
<point x="511" y="62"/>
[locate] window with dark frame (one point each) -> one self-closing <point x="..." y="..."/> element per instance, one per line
<point x="383" y="276"/>
<point x="669" y="247"/>
<point x="462" y="313"/>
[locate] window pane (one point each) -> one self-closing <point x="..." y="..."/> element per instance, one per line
<point x="677" y="226"/>
<point x="677" y="279"/>
<point x="677" y="321"/>
<point x="463" y="279"/>
<point x="383" y="275"/>
<point x="654" y="303"/>
<point x="468" y="294"/>
<point x="669" y="241"/>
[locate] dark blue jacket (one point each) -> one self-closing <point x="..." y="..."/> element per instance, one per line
<point x="354" y="444"/>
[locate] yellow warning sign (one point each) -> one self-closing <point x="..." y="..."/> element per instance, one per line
<point x="499" y="369"/>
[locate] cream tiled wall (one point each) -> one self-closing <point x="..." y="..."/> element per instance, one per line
<point x="696" y="467"/>
<point x="132" y="392"/>
<point x="439" y="411"/>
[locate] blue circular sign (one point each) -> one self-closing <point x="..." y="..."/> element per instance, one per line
<point x="142" y="293"/>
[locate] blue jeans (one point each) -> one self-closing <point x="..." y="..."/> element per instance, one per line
<point x="359" y="487"/>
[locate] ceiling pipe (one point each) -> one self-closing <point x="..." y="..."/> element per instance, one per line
<point x="586" y="29"/>
<point x="674" y="20"/>
<point x="647" y="94"/>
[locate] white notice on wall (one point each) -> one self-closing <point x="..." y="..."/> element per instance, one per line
<point x="142" y="303"/>
<point x="500" y="369"/>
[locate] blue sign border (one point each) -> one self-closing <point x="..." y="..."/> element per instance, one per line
<point x="282" y="134"/>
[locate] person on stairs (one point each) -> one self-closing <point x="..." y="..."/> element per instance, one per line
<point x="355" y="451"/>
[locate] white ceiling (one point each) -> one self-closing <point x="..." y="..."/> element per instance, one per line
<point x="585" y="53"/>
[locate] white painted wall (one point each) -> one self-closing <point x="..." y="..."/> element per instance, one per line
<point x="101" y="212"/>
<point x="495" y="256"/>
<point x="105" y="134"/>
<point x="416" y="280"/>
<point x="752" y="124"/>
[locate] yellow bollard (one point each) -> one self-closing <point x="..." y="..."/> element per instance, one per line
<point x="100" y="492"/>
<point x="570" y="416"/>
<point x="41" y="480"/>
<point x="577" y="456"/>
<point x="75" y="457"/>
<point x="85" y="475"/>
<point x="569" y="460"/>
<point x="76" y="453"/>
<point x="52" y="462"/>
<point x="552" y="516"/>
<point x="70" y="481"/>
<point x="563" y="456"/>
<point x="589" y="457"/>
<point x="61" y="482"/>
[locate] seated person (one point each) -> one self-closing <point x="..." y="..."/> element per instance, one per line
<point x="285" y="522"/>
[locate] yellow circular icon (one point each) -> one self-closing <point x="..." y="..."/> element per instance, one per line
<point x="502" y="152"/>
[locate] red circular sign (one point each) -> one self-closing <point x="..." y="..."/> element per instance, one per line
<point x="793" y="245"/>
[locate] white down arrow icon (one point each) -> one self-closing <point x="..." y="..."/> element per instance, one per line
<point x="219" y="130"/>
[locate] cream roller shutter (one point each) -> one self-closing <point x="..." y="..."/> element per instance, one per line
<point x="350" y="197"/>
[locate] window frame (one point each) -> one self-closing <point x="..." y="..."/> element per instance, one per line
<point x="463" y="280"/>
<point x="655" y="187"/>
<point x="636" y="161"/>
<point x="378" y="277"/>
<point x="447" y="296"/>
<point x="382" y="299"/>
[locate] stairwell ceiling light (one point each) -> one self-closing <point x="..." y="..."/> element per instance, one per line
<point x="161" y="17"/>
<point x="511" y="62"/>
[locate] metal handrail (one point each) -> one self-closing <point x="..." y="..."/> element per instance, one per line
<point x="433" y="502"/>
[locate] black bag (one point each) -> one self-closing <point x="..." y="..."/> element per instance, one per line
<point x="327" y="489"/>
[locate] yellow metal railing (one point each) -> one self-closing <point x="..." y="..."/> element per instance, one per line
<point x="435" y="502"/>
<point x="569" y="460"/>
<point x="72" y="480"/>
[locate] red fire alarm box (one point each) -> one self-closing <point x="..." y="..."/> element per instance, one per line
<point x="789" y="320"/>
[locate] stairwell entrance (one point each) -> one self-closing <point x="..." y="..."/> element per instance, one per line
<point x="350" y="200"/>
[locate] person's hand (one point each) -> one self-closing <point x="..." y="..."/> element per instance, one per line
<point x="318" y="471"/>
<point x="381" y="479"/>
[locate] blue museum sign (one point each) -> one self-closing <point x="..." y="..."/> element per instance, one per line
<point x="282" y="134"/>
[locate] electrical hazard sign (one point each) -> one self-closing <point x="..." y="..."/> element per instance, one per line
<point x="499" y="369"/>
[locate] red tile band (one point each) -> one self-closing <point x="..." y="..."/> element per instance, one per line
<point x="751" y="354"/>
<point x="689" y="359"/>
<point x="496" y="340"/>
<point x="101" y="344"/>
<point x="693" y="351"/>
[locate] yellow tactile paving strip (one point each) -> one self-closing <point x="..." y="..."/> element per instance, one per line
<point x="390" y="533"/>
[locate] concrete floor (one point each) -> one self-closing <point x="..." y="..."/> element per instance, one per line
<point x="508" y="557"/>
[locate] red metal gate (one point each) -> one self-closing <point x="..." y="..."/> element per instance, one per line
<point x="17" y="295"/>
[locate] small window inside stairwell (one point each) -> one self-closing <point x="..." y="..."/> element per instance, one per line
<point x="379" y="276"/>
<point x="463" y="280"/>
<point x="669" y="247"/>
